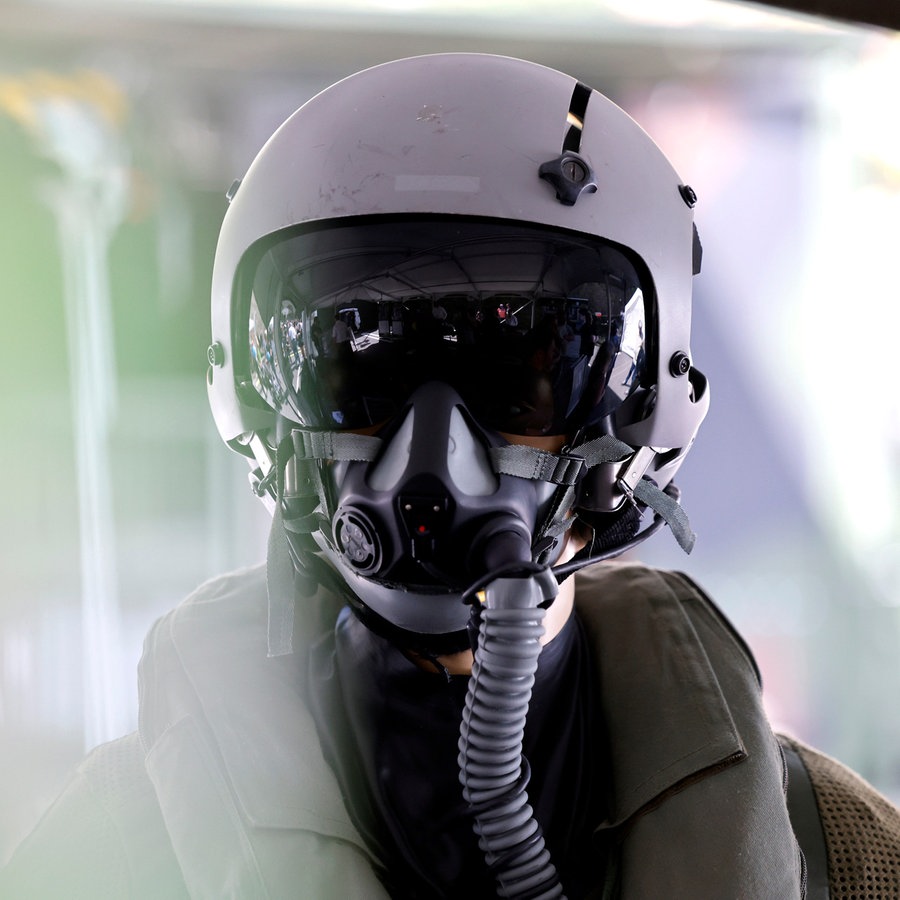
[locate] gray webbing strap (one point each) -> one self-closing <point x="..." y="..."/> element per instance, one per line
<point x="604" y="449"/>
<point x="564" y="469"/>
<point x="311" y="446"/>
<point x="308" y="447"/>
<point x="537" y="465"/>
<point x="280" y="588"/>
<point x="343" y="445"/>
<point x="557" y="468"/>
<point x="670" y="510"/>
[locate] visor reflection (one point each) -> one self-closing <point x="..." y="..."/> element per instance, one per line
<point x="534" y="329"/>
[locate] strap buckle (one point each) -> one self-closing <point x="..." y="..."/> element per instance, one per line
<point x="567" y="468"/>
<point x="635" y="470"/>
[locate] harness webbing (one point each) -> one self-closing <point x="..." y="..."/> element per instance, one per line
<point x="341" y="445"/>
<point x="309" y="448"/>
<point x="280" y="587"/>
<point x="563" y="469"/>
<point x="669" y="509"/>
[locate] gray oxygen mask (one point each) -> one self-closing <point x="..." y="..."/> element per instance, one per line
<point x="430" y="508"/>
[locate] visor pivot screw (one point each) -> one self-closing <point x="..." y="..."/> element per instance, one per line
<point x="571" y="176"/>
<point x="688" y="194"/>
<point x="679" y="364"/>
<point x="216" y="355"/>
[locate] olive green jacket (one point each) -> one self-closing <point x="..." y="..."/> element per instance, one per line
<point x="224" y="790"/>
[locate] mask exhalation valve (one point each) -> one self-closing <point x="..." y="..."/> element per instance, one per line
<point x="358" y="541"/>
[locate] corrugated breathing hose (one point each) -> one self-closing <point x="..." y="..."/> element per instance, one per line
<point x="493" y="772"/>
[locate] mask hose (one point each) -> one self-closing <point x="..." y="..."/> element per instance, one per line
<point x="493" y="772"/>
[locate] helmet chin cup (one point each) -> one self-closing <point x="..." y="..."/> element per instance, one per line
<point x="430" y="509"/>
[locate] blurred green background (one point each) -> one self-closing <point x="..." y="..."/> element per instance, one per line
<point x="122" y="124"/>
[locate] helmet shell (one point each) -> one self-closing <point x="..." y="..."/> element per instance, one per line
<point x="466" y="134"/>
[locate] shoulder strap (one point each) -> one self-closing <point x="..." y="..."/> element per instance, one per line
<point x="807" y="824"/>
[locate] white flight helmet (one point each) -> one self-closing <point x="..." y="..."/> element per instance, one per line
<point x="459" y="223"/>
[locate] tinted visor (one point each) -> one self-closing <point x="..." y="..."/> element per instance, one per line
<point x="541" y="332"/>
